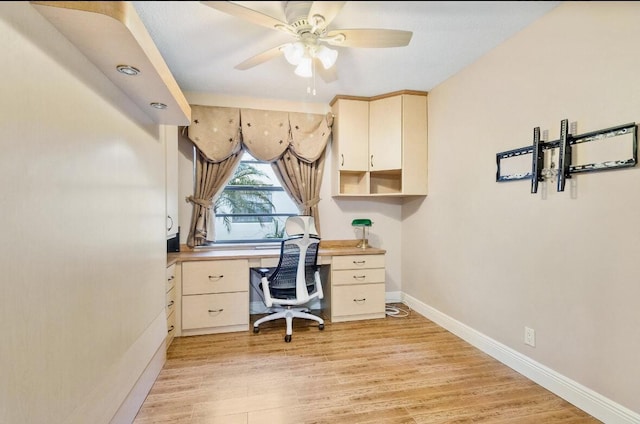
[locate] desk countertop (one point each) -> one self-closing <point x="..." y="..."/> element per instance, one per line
<point x="327" y="248"/>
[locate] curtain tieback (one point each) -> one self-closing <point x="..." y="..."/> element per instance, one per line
<point x="311" y="203"/>
<point x="202" y="202"/>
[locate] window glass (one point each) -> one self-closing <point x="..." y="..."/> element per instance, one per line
<point x="253" y="206"/>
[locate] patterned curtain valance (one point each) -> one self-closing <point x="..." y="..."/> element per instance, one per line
<point x="215" y="131"/>
<point x="265" y="134"/>
<point x="220" y="132"/>
<point x="309" y="134"/>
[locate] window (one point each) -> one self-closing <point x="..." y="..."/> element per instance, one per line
<point x="253" y="206"/>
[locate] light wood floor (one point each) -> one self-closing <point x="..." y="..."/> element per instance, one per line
<point x="388" y="371"/>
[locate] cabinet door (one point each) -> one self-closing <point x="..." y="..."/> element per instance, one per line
<point x="351" y="134"/>
<point x="385" y="134"/>
<point x="170" y="135"/>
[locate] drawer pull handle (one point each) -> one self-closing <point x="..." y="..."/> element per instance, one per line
<point x="170" y="304"/>
<point x="360" y="300"/>
<point x="215" y="277"/>
<point x="170" y="329"/>
<point x="171" y="278"/>
<point x="359" y="277"/>
<point x="215" y="311"/>
<point x="359" y="262"/>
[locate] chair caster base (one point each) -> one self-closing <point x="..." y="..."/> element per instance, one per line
<point x="321" y="326"/>
<point x="256" y="329"/>
<point x="287" y="338"/>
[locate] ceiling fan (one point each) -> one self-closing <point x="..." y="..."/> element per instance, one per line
<point x="308" y="22"/>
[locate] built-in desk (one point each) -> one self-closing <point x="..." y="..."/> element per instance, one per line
<point x="214" y="285"/>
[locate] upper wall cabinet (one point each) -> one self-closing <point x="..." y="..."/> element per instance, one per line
<point x="110" y="34"/>
<point x="380" y="145"/>
<point x="350" y="159"/>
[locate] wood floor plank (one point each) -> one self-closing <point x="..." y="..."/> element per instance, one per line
<point x="396" y="370"/>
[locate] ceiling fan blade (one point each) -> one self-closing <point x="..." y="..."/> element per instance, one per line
<point x="368" y="38"/>
<point x="261" y="58"/>
<point x="327" y="9"/>
<point x="328" y="75"/>
<point x="247" y="14"/>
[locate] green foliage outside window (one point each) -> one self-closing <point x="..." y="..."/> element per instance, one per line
<point x="245" y="201"/>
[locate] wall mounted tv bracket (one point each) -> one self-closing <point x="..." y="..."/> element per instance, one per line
<point x="600" y="155"/>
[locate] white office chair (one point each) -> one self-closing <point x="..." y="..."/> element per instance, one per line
<point x="296" y="279"/>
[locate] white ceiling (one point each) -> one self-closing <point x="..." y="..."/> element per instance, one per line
<point x="201" y="45"/>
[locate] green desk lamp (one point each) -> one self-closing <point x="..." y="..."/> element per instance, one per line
<point x="363" y="223"/>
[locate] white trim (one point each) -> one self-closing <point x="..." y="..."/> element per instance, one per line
<point x="393" y="297"/>
<point x="584" y="398"/>
<point x="136" y="397"/>
<point x="128" y="380"/>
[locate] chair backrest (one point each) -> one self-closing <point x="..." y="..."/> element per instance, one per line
<point x="298" y="261"/>
<point x="297" y="264"/>
<point x="300" y="225"/>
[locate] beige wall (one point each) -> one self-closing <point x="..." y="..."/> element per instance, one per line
<point x="336" y="214"/>
<point x="82" y="201"/>
<point x="83" y="242"/>
<point x="498" y="258"/>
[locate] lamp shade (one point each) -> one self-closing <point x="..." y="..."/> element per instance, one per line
<point x="327" y="56"/>
<point x="304" y="68"/>
<point x="294" y="52"/>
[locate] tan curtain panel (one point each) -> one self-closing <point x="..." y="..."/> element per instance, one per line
<point x="309" y="134"/>
<point x="265" y="133"/>
<point x="302" y="182"/>
<point x="210" y="179"/>
<point x="215" y="131"/>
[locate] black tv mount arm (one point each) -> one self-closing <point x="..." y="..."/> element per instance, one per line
<point x="565" y="144"/>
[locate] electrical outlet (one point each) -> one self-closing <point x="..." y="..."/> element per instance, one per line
<point x="529" y="336"/>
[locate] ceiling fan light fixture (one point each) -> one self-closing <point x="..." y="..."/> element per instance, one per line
<point x="294" y="52"/>
<point x="326" y="56"/>
<point x="304" y="68"/>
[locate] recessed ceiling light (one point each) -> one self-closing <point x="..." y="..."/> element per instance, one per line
<point x="128" y="70"/>
<point x="158" y="105"/>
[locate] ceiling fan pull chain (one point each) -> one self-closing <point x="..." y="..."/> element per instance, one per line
<point x="313" y="74"/>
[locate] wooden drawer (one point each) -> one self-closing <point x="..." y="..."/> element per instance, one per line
<point x="171" y="327"/>
<point x="357" y="276"/>
<point x="171" y="301"/>
<point x="358" y="299"/>
<point x="357" y="262"/>
<point x="215" y="310"/>
<point x="223" y="276"/>
<point x="171" y="277"/>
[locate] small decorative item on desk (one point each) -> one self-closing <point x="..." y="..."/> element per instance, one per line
<point x="363" y="223"/>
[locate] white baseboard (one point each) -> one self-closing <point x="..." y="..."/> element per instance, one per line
<point x="117" y="397"/>
<point x="132" y="404"/>
<point x="584" y="398"/>
<point x="393" y="297"/>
